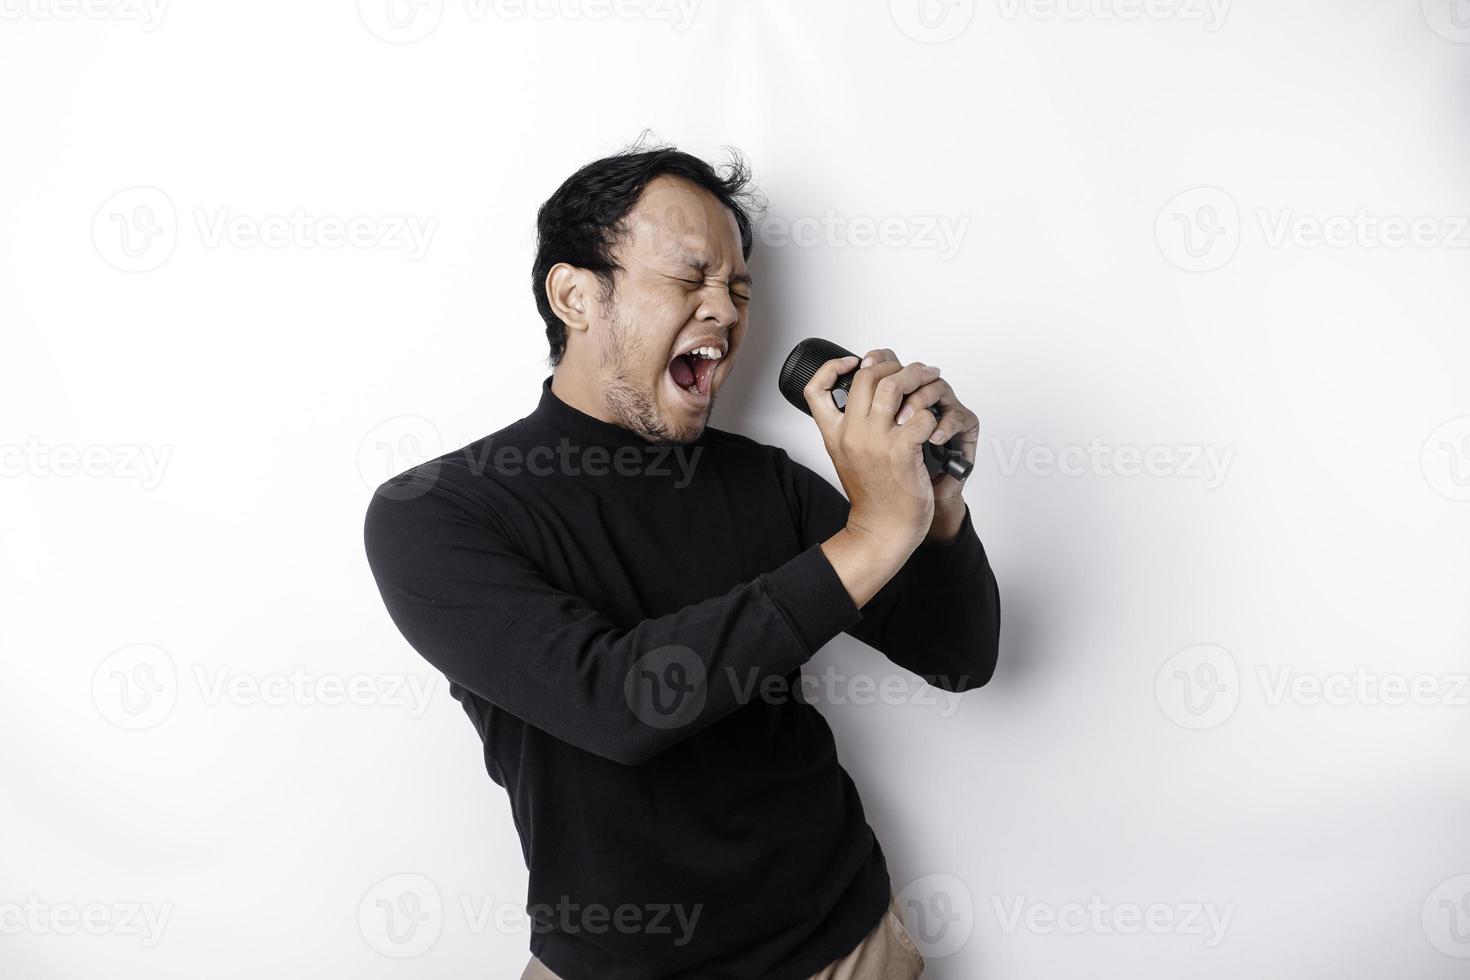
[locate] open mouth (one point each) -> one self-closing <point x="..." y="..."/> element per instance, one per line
<point x="692" y="371"/>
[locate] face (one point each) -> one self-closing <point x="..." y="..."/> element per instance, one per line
<point x="667" y="340"/>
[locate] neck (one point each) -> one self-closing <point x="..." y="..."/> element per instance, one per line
<point x="580" y="390"/>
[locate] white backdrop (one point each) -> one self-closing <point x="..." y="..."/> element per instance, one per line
<point x="1199" y="266"/>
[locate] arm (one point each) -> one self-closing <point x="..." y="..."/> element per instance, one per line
<point x="939" y="616"/>
<point x="489" y="620"/>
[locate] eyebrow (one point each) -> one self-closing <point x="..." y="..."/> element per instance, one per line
<point x="702" y="266"/>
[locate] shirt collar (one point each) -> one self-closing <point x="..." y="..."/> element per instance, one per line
<point x="577" y="425"/>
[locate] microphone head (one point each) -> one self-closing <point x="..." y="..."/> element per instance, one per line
<point x="802" y="363"/>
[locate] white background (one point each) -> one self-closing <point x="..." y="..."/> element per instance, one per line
<point x="192" y="419"/>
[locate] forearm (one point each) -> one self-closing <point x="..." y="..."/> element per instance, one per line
<point x="863" y="562"/>
<point x="940" y="614"/>
<point x="866" y="564"/>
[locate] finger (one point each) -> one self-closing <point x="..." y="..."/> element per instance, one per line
<point x="891" y="390"/>
<point x="954" y="419"/>
<point x="860" y="393"/>
<point x="880" y="354"/>
<point x="916" y="431"/>
<point x="921" y="398"/>
<point x="818" y="391"/>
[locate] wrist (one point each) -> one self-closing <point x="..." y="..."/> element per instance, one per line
<point x="864" y="560"/>
<point x="949" y="516"/>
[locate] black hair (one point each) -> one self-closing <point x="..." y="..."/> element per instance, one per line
<point x="582" y="221"/>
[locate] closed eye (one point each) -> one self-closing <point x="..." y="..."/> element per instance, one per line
<point x="742" y="297"/>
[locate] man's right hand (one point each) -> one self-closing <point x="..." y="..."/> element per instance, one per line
<point x="880" y="465"/>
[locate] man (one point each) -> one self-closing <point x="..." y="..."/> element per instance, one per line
<point x="622" y="597"/>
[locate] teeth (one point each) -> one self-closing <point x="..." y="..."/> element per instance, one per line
<point x="712" y="353"/>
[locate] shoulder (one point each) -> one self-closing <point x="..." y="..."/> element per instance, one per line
<point x="461" y="482"/>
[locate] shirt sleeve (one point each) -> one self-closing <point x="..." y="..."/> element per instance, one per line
<point x="939" y="616"/>
<point x="487" y="618"/>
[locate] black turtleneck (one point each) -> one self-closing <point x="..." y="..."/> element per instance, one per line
<point x="625" y="623"/>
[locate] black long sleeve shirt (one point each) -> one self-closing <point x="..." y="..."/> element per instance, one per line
<point x="625" y="623"/>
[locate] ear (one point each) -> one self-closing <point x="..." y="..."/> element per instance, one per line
<point x="571" y="292"/>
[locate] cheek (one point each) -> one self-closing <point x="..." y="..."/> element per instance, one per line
<point x="737" y="334"/>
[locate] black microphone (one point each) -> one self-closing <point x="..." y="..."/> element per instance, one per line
<point x="802" y="363"/>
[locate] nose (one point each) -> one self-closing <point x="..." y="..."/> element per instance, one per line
<point x="716" y="308"/>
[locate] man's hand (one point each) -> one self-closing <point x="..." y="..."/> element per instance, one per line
<point x="954" y="420"/>
<point x="880" y="464"/>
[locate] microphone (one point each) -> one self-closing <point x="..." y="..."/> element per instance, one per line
<point x="802" y="363"/>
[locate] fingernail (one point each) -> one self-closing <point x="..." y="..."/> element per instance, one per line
<point x="867" y="362"/>
<point x="937" y="436"/>
<point x="903" y="414"/>
<point x="934" y="367"/>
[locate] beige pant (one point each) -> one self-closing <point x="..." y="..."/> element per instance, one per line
<point x="888" y="953"/>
